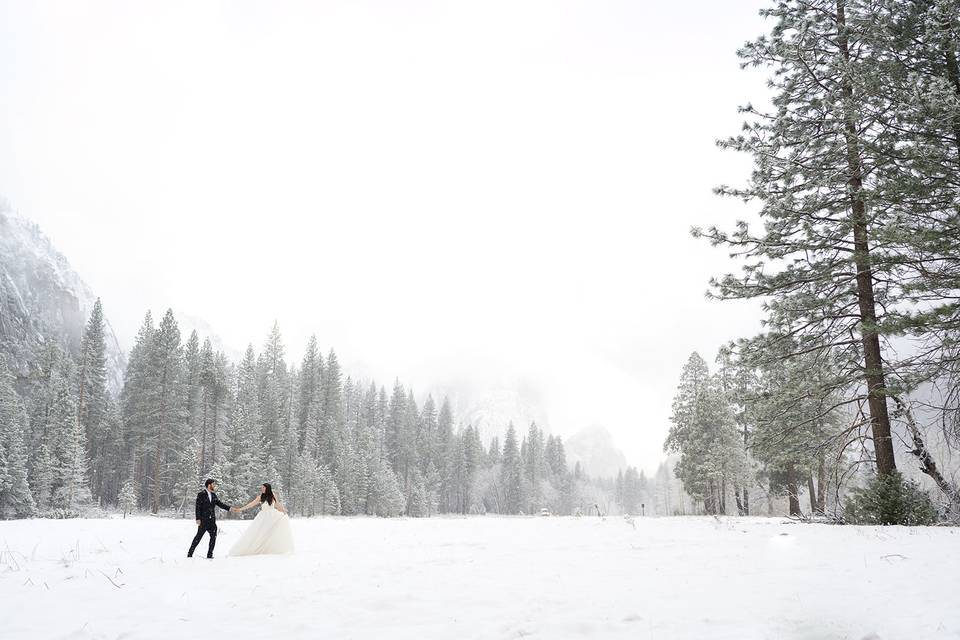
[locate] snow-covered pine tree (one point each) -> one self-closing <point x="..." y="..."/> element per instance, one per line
<point x="396" y="416"/>
<point x="136" y="400"/>
<point x="42" y="477"/>
<point x="210" y="395"/>
<point x="534" y="468"/>
<point x="327" y="493"/>
<point x="346" y="460"/>
<point x="704" y="434"/>
<point x="16" y="501"/>
<point x="512" y="472"/>
<point x="738" y="381"/>
<point x="408" y="455"/>
<point x="366" y="443"/>
<point x="332" y="399"/>
<point x="186" y="475"/>
<point x="243" y="467"/>
<point x="386" y="498"/>
<point x="193" y="387"/>
<point x="445" y="456"/>
<point x="426" y="436"/>
<point x="169" y="414"/>
<point x="128" y="497"/>
<point x="71" y="490"/>
<point x="304" y="487"/>
<point x="92" y="398"/>
<point x="917" y="51"/>
<point x="291" y="438"/>
<point x="417" y="501"/>
<point x="797" y="418"/>
<point x="311" y="370"/>
<point x="272" y="380"/>
<point x="829" y="255"/>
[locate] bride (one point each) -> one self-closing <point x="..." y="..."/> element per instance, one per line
<point x="270" y="530"/>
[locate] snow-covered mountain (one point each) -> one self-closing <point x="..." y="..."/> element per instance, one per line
<point x="42" y="298"/>
<point x="596" y="452"/>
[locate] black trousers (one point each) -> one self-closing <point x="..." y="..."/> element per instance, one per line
<point x="209" y="526"/>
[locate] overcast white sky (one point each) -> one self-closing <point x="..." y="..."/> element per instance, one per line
<point x="487" y="195"/>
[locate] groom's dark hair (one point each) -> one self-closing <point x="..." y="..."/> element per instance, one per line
<point x="209" y="482"/>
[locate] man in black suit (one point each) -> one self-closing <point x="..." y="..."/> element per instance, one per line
<point x="207" y="501"/>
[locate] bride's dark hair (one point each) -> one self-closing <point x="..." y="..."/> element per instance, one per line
<point x="267" y="496"/>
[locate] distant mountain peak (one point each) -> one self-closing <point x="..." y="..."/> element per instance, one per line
<point x="594" y="448"/>
<point x="42" y="298"/>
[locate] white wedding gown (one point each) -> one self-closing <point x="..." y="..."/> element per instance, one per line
<point x="268" y="533"/>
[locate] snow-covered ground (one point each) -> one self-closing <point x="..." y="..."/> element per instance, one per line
<point x="483" y="577"/>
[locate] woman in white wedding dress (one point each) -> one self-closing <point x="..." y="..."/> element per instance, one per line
<point x="270" y="530"/>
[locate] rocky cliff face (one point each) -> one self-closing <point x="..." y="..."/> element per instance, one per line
<point x="43" y="299"/>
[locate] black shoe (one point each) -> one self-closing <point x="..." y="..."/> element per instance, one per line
<point x="209" y="557"/>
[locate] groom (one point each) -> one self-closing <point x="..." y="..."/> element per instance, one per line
<point x="207" y="516"/>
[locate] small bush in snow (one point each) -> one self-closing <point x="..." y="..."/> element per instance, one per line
<point x="890" y="499"/>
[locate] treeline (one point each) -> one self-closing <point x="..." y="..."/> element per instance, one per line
<point x="330" y="444"/>
<point x="857" y="260"/>
<point x="758" y="428"/>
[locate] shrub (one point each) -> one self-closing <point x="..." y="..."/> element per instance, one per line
<point x="890" y="499"/>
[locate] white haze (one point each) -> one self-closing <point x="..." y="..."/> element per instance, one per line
<point x="482" y="196"/>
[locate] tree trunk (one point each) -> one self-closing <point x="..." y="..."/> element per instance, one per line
<point x="822" y="486"/>
<point x="812" y="490"/>
<point x="216" y="425"/>
<point x="736" y="495"/>
<point x="746" y="502"/>
<point x="203" y="434"/>
<point x="159" y="450"/>
<point x="927" y="463"/>
<point x="873" y="359"/>
<point x="793" y="491"/>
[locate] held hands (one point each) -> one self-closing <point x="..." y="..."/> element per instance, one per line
<point x="235" y="509"/>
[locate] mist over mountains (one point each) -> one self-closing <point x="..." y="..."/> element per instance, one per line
<point x="43" y="299"/>
<point x="594" y="448"/>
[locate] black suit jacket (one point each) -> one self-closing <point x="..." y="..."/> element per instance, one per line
<point x="205" y="508"/>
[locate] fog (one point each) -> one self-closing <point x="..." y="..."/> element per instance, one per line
<point x="491" y="199"/>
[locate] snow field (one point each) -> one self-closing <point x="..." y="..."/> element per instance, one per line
<point x="483" y="577"/>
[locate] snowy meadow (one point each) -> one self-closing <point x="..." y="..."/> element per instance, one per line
<point x="483" y="577"/>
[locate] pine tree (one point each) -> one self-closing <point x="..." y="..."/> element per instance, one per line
<point x="211" y="381"/>
<point x="346" y="459"/>
<point x="136" y="402"/>
<point x="329" y="495"/>
<point x="128" y="497"/>
<point x="244" y="469"/>
<point x="92" y="397"/>
<point x="271" y="383"/>
<point x="42" y="477"/>
<point x="796" y="421"/>
<point x="511" y="472"/>
<point x="16" y="501"/>
<point x="386" y="498"/>
<point x="331" y="402"/>
<point x="71" y="491"/>
<point x="828" y="261"/>
<point x="167" y="374"/>
<point x="704" y="434"/>
<point x="310" y="375"/>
